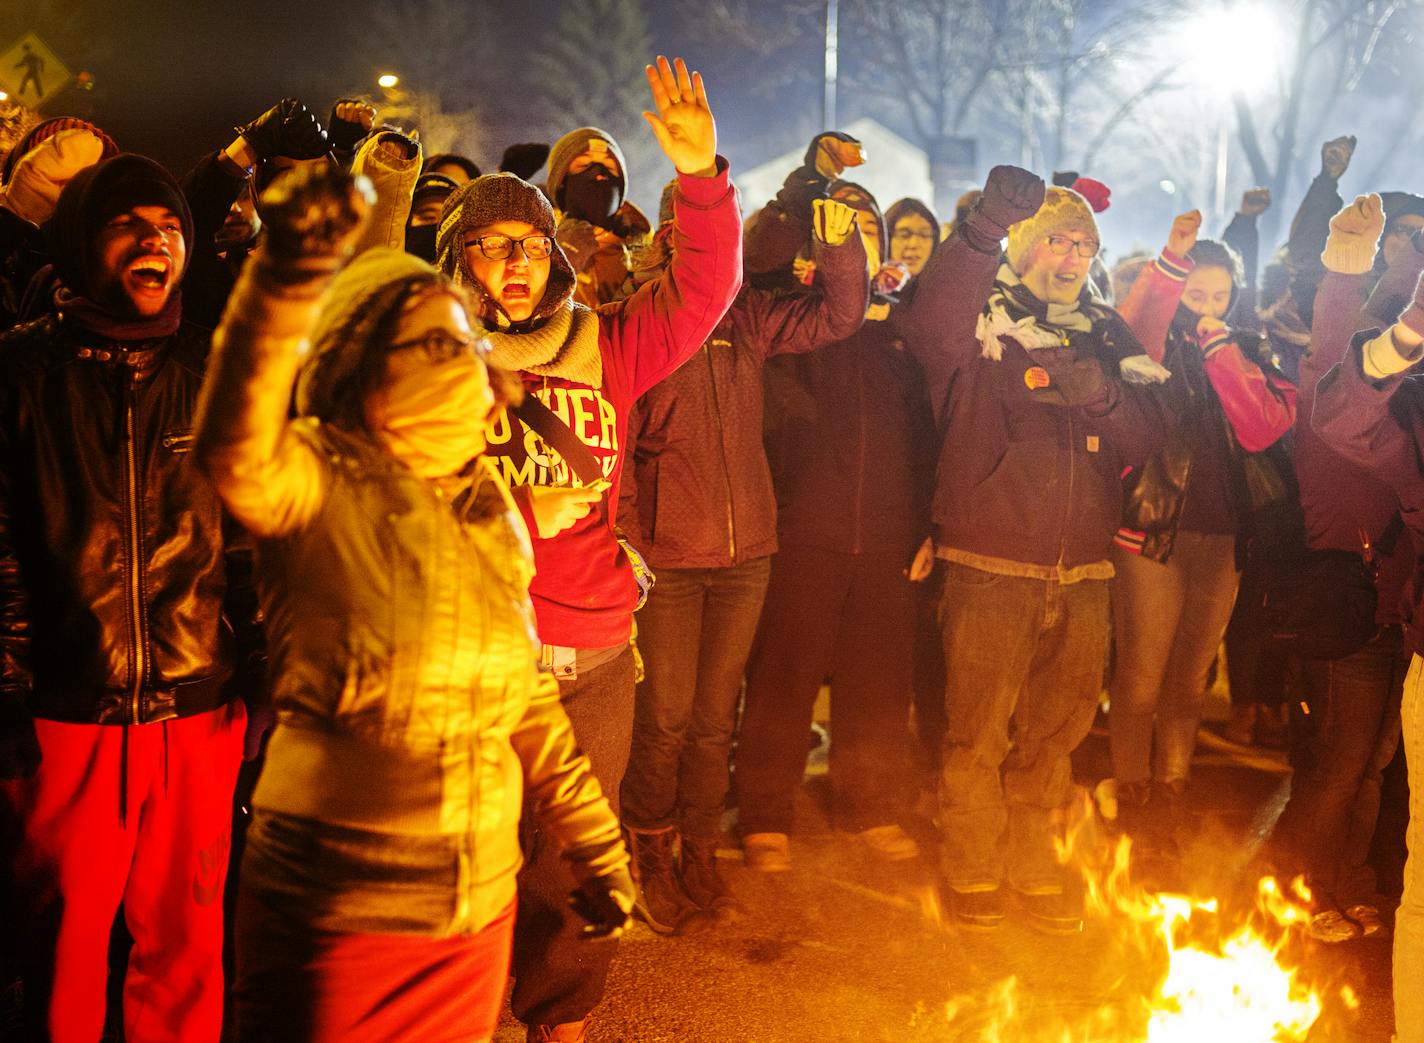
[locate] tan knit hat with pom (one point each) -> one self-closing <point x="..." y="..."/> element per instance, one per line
<point x="1062" y="210"/>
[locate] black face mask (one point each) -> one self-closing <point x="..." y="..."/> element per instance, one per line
<point x="420" y="241"/>
<point x="593" y="194"/>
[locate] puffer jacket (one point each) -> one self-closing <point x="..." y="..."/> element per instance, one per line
<point x="112" y="553"/>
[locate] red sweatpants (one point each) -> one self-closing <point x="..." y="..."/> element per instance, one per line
<point x="166" y="864"/>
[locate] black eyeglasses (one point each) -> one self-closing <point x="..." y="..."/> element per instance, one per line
<point x="1061" y="246"/>
<point x="498" y="247"/>
<point x="439" y="345"/>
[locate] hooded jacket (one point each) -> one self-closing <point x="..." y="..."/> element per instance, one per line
<point x="701" y="493"/>
<point x="584" y="591"/>
<point x="1197" y="481"/>
<point x="113" y="559"/>
<point x="1024" y="485"/>
<point x="410" y="708"/>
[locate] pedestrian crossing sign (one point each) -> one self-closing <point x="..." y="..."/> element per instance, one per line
<point x="30" y="73"/>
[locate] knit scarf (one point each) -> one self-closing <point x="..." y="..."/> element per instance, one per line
<point x="1013" y="311"/>
<point x="106" y="324"/>
<point x="564" y="346"/>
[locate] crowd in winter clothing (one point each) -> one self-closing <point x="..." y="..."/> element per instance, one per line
<point x="493" y="543"/>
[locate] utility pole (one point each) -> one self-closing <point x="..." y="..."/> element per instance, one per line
<point x="828" y="105"/>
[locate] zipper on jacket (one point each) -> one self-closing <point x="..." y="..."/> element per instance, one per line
<point x="722" y="449"/>
<point x="1068" y="506"/>
<point x="135" y="582"/>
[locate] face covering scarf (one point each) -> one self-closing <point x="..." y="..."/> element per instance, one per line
<point x="434" y="417"/>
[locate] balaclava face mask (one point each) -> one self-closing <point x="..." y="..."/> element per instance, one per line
<point x="432" y="419"/>
<point x="594" y="194"/>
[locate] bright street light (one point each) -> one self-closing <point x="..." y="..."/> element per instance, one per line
<point x="388" y="80"/>
<point x="1228" y="47"/>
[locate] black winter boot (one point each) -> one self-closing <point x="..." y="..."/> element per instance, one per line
<point x="661" y="902"/>
<point x="702" y="881"/>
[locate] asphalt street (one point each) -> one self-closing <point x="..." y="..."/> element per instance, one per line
<point x="845" y="949"/>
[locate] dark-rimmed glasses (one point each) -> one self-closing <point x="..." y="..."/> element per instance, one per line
<point x="499" y="247"/>
<point x="1061" y="246"/>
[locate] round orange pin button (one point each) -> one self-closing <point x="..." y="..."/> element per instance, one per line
<point x="1036" y="377"/>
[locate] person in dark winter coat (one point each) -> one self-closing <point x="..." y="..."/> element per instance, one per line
<point x="586" y="369"/>
<point x="1352" y="731"/>
<point x="1179" y="553"/>
<point x="1369" y="408"/>
<point x="701" y="509"/>
<point x="848" y="439"/>
<point x="120" y="736"/>
<point x="1025" y="374"/>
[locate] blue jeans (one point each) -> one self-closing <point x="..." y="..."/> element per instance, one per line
<point x="1169" y="618"/>
<point x="1024" y="659"/>
<point x="695" y="634"/>
<point x="1352" y="732"/>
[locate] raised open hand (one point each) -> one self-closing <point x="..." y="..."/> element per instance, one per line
<point x="315" y="212"/>
<point x="683" y="124"/>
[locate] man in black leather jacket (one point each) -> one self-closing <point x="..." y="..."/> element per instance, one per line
<point x="119" y="738"/>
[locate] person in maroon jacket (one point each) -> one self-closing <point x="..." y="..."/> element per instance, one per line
<point x="1326" y="828"/>
<point x="1370" y="409"/>
<point x="586" y="368"/>
<point x="702" y="511"/>
<point x="848" y="438"/>
<point x="1038" y="426"/>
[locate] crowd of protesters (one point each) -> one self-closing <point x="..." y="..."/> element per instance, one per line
<point x="490" y="540"/>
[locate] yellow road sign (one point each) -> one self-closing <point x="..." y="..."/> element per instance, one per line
<point x="30" y="73"/>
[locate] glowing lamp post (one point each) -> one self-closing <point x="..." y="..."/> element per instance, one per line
<point x="1231" y="51"/>
<point x="388" y="81"/>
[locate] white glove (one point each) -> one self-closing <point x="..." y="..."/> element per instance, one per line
<point x="1142" y="369"/>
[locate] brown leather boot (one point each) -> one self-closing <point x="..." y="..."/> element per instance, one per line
<point x="703" y="882"/>
<point x="661" y="904"/>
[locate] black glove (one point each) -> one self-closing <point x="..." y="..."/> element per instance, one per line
<point x="315" y="212"/>
<point x="287" y="129"/>
<point x="525" y="160"/>
<point x="605" y="901"/>
<point x="19" y="747"/>
<point x="1073" y="382"/>
<point x="345" y="134"/>
<point x="1011" y="195"/>
<point x="812" y="157"/>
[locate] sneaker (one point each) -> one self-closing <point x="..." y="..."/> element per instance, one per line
<point x="1055" y="912"/>
<point x="767" y="852"/>
<point x="1331" y="925"/>
<point x="976" y="910"/>
<point x="569" y="1032"/>
<point x="1369" y="920"/>
<point x="889" y="843"/>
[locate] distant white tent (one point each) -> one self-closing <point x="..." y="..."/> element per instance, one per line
<point x="893" y="169"/>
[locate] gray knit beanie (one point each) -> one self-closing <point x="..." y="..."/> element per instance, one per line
<point x="574" y="144"/>
<point x="500" y="197"/>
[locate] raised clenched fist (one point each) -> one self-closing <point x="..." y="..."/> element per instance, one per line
<point x="832" y="220"/>
<point x="832" y="152"/>
<point x="1255" y="201"/>
<point x="287" y="129"/>
<point x="1354" y="236"/>
<point x="1183" y="236"/>
<point x="315" y="212"/>
<point x="1011" y="195"/>
<point x="1335" y="155"/>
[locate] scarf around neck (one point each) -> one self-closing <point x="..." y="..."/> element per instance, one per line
<point x="106" y="324"/>
<point x="1013" y="311"/>
<point x="564" y="346"/>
